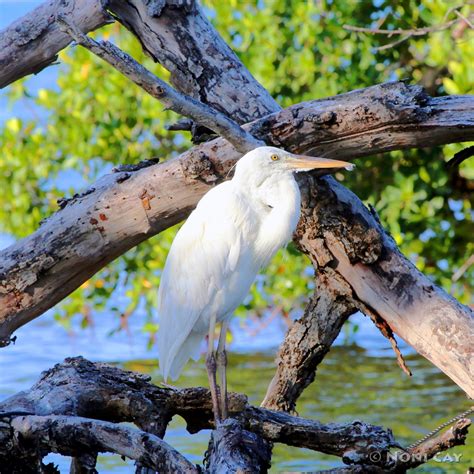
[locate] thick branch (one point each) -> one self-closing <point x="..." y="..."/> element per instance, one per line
<point x="32" y="42"/>
<point x="73" y="436"/>
<point x="179" y="103"/>
<point x="430" y="320"/>
<point x="123" y="209"/>
<point x="310" y="338"/>
<point x="180" y="37"/>
<point x="75" y="407"/>
<point x="233" y="449"/>
<point x="91" y="390"/>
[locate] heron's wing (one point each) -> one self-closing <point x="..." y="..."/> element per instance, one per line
<point x="203" y="255"/>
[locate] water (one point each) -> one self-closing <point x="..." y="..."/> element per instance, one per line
<point x="359" y="380"/>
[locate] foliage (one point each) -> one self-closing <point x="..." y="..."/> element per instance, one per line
<point x="92" y="119"/>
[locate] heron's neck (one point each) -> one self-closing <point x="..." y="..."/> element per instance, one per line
<point x="277" y="202"/>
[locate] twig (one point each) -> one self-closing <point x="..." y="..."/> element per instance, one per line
<point x="460" y="272"/>
<point x="387" y="332"/>
<point x="463" y="18"/>
<point x="409" y="33"/>
<point x="455" y="436"/>
<point x="460" y="156"/>
<point x="179" y="103"/>
<point x="412" y="32"/>
<point x="393" y="43"/>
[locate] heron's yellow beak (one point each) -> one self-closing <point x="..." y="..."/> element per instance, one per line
<point x="302" y="162"/>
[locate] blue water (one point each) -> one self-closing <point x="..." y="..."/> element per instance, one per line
<point x="358" y="380"/>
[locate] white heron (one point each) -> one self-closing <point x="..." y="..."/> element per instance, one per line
<point x="234" y="231"/>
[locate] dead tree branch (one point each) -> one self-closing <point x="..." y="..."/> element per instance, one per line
<point x="123" y="209"/>
<point x="127" y="207"/>
<point x="310" y="338"/>
<point x="73" y="436"/>
<point x="406" y="34"/>
<point x="33" y="41"/>
<point x="454" y="436"/>
<point x="79" y="388"/>
<point x="75" y="407"/>
<point x="160" y="90"/>
<point x="41" y="270"/>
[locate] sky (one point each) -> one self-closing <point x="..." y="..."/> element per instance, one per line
<point x="9" y="12"/>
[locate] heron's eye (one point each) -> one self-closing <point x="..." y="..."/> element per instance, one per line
<point x="274" y="158"/>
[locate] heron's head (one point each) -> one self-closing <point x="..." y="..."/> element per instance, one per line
<point x="267" y="160"/>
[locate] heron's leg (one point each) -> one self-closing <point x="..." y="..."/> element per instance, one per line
<point x="211" y="370"/>
<point x="222" y="367"/>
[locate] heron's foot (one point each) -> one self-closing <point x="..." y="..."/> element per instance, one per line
<point x="211" y="367"/>
<point x="222" y="365"/>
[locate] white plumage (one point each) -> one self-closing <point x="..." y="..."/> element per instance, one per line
<point x="234" y="231"/>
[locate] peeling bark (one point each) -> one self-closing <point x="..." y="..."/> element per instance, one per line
<point x="429" y="319"/>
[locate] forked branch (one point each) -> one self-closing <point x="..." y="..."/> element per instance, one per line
<point x="160" y="90"/>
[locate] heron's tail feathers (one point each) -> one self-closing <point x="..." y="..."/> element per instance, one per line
<point x="171" y="365"/>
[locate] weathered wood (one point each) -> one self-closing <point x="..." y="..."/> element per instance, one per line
<point x="430" y="320"/>
<point x="123" y="209"/>
<point x="76" y="408"/>
<point x="310" y="338"/>
<point x="77" y="435"/>
<point x="81" y="388"/>
<point x="179" y="36"/>
<point x="183" y="104"/>
<point x="174" y="45"/>
<point x="33" y="41"/>
<point x="156" y="21"/>
<point x="84" y="464"/>
<point x="184" y="19"/>
<point x="234" y="450"/>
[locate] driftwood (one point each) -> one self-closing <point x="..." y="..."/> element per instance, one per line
<point x="76" y="407"/>
<point x="121" y="211"/>
<point x="358" y="265"/>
